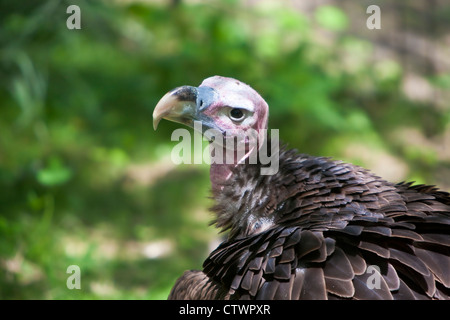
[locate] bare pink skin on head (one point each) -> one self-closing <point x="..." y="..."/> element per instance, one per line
<point x="233" y="94"/>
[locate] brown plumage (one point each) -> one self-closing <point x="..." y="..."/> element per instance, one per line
<point x="323" y="229"/>
<point x="332" y="221"/>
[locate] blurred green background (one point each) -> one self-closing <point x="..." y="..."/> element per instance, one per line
<point x="84" y="179"/>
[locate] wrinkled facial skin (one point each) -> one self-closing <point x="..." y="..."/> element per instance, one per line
<point x="229" y="95"/>
<point x="237" y="110"/>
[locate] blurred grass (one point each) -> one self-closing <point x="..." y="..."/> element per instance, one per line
<point x="84" y="180"/>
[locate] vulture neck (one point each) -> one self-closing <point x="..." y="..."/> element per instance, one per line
<point x="220" y="173"/>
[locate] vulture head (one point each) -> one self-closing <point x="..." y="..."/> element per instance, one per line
<point x="224" y="104"/>
<point x="227" y="109"/>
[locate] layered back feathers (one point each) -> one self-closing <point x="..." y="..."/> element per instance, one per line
<point x="323" y="229"/>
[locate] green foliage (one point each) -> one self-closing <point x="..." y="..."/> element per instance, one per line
<point x="54" y="174"/>
<point x="84" y="179"/>
<point x="332" y="18"/>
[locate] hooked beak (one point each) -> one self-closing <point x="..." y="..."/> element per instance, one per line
<point x="178" y="105"/>
<point x="185" y="105"/>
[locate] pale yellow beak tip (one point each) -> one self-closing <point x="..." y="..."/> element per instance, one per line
<point x="163" y="107"/>
<point x="176" y="105"/>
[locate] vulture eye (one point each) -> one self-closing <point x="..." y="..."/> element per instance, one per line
<point x="237" y="114"/>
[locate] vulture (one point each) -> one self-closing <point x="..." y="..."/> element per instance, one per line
<point x="315" y="228"/>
